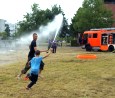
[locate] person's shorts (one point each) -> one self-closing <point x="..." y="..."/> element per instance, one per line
<point x="33" y="77"/>
<point x="24" y="71"/>
<point x="42" y="65"/>
<point x="26" y="68"/>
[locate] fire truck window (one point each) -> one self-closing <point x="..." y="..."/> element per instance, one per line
<point x="89" y="35"/>
<point x="109" y="1"/>
<point x="104" y="40"/>
<point x="95" y="35"/>
<point x="113" y="38"/>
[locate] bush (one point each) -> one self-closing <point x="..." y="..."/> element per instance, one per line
<point x="74" y="43"/>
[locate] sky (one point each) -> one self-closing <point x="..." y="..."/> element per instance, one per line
<point x="13" y="10"/>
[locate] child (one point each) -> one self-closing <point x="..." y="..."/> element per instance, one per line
<point x="35" y="68"/>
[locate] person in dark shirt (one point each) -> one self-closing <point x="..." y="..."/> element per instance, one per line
<point x="31" y="54"/>
<point x="49" y="44"/>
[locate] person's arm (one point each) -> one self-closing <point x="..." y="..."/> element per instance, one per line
<point x="47" y="54"/>
<point x="28" y="64"/>
<point x="35" y="48"/>
<point x="43" y="50"/>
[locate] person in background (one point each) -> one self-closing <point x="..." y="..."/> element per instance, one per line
<point x="54" y="46"/>
<point x="49" y="44"/>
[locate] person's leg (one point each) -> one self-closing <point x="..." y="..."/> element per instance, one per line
<point x="33" y="79"/>
<point x="24" y="71"/>
<point x="27" y="76"/>
<point x="49" y="46"/>
<point x="55" y="49"/>
<point x="41" y="68"/>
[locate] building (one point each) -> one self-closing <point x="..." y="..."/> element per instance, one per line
<point x="2" y="25"/>
<point x="110" y="4"/>
<point x="12" y="28"/>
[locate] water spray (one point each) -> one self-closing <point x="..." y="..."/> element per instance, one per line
<point x="59" y="19"/>
<point x="44" y="32"/>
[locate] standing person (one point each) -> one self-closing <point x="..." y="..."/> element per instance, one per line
<point x="31" y="54"/>
<point x="61" y="43"/>
<point x="49" y="44"/>
<point x="35" y="66"/>
<point x="54" y="46"/>
<point x="80" y="40"/>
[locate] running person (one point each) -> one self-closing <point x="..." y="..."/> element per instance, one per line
<point x="35" y="68"/>
<point x="31" y="54"/>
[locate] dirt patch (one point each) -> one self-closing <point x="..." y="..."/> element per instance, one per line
<point x="12" y="56"/>
<point x="19" y="54"/>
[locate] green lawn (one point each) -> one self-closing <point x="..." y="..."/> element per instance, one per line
<point x="65" y="76"/>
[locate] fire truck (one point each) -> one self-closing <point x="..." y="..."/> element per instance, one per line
<point x="99" y="39"/>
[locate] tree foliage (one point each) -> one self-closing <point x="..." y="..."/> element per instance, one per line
<point x="92" y="14"/>
<point x="32" y="21"/>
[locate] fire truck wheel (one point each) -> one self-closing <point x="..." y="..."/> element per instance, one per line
<point x="111" y="48"/>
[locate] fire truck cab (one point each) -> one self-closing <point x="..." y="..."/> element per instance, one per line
<point x="99" y="39"/>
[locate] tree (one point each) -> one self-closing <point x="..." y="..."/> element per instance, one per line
<point x="3" y="35"/>
<point x="7" y="30"/>
<point x="92" y="14"/>
<point x="65" y="29"/>
<point x="32" y="21"/>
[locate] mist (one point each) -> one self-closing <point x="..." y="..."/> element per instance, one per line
<point x="49" y="31"/>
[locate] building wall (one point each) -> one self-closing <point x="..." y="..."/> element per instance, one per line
<point x="2" y="25"/>
<point x="111" y="6"/>
<point x="12" y="28"/>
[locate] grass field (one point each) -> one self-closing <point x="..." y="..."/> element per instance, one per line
<point x="65" y="76"/>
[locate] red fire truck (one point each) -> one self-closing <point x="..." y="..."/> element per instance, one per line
<point x="99" y="39"/>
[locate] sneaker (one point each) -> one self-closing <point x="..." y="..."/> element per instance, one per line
<point x="26" y="78"/>
<point x="18" y="77"/>
<point x="27" y="88"/>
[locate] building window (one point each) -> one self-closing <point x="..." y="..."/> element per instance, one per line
<point x="109" y="1"/>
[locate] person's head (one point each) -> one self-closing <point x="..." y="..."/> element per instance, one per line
<point x="37" y="52"/>
<point x="35" y="36"/>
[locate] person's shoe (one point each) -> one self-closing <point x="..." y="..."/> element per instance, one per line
<point x="27" y="77"/>
<point x="18" y="77"/>
<point x="27" y="88"/>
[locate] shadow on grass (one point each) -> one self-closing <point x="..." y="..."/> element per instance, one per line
<point x="76" y="61"/>
<point x="112" y="79"/>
